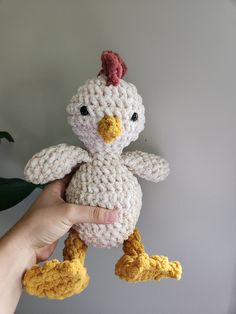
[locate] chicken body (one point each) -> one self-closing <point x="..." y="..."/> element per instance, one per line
<point x="106" y="182"/>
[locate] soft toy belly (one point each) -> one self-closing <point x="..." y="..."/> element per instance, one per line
<point x="112" y="186"/>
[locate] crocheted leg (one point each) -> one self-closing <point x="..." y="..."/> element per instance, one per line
<point x="136" y="265"/>
<point x="58" y="280"/>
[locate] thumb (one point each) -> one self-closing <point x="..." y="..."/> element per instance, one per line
<point x="90" y="214"/>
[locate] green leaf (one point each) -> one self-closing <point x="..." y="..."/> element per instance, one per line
<point x="6" y="135"/>
<point x="13" y="191"/>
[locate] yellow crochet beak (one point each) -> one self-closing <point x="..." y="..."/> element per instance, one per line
<point x="109" y="128"/>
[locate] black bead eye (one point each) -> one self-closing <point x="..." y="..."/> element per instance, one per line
<point x="84" y="111"/>
<point x="134" y="116"/>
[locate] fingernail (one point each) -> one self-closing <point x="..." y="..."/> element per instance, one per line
<point x="111" y="216"/>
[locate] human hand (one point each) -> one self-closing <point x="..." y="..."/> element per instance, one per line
<point x="34" y="237"/>
<point x="50" y="217"/>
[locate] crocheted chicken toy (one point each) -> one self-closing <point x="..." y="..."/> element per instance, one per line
<point x="106" y="114"/>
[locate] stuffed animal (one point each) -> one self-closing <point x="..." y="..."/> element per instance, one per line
<point x="107" y="113"/>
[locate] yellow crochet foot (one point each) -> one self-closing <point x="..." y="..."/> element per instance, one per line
<point x="143" y="267"/>
<point x="136" y="265"/>
<point x="59" y="280"/>
<point x="56" y="280"/>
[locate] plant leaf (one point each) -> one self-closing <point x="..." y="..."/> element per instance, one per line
<point x="13" y="191"/>
<point x="6" y="135"/>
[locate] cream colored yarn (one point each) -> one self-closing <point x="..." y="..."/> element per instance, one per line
<point x="106" y="177"/>
<point x="120" y="101"/>
<point x="107" y="113"/>
<point x="54" y="163"/>
<point x="148" y="166"/>
<point x="106" y="182"/>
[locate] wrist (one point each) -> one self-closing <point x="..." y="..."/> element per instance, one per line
<point x="17" y="246"/>
<point x="16" y="256"/>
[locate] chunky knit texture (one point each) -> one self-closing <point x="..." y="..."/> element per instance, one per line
<point x="101" y="100"/>
<point x="111" y="124"/>
<point x="57" y="280"/>
<point x="105" y="180"/>
<point x="148" y="166"/>
<point x="113" y="67"/>
<point x="54" y="163"/>
<point x="136" y="265"/>
<point x="107" y="113"/>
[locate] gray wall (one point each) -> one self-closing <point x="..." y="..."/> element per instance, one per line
<point x="181" y="56"/>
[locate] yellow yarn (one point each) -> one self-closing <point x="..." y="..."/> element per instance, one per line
<point x="109" y="127"/>
<point x="136" y="265"/>
<point x="74" y="248"/>
<point x="58" y="280"/>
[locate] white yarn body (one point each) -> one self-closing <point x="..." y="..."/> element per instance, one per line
<point x="106" y="182"/>
<point x="105" y="178"/>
